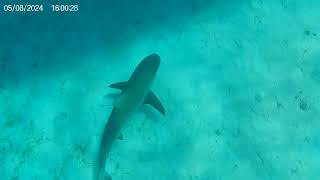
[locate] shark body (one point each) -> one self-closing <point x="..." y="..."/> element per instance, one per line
<point x="135" y="92"/>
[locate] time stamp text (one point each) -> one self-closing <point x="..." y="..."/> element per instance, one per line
<point x="40" y="8"/>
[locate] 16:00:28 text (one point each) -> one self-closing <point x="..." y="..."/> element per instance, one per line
<point x="65" y="8"/>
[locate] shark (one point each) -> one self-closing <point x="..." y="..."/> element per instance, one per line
<point x="134" y="93"/>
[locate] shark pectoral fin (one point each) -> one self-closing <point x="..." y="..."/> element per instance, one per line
<point x="120" y="137"/>
<point x="152" y="99"/>
<point x="119" y="85"/>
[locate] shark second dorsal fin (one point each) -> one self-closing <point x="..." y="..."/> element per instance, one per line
<point x="119" y="85"/>
<point x="152" y="100"/>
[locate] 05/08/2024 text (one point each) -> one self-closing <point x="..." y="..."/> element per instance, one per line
<point x="22" y="7"/>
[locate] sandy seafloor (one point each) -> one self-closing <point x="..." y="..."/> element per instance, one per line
<point x="239" y="81"/>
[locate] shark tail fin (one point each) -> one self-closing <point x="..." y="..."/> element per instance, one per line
<point x="103" y="175"/>
<point x="99" y="173"/>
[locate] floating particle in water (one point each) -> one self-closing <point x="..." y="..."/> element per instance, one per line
<point x="258" y="98"/>
<point x="35" y="64"/>
<point x="11" y="120"/>
<point x="218" y="132"/>
<point x="5" y="146"/>
<point x="298" y="95"/>
<point x="278" y="103"/>
<point x="303" y="104"/>
<point x="14" y="177"/>
<point x="235" y="167"/>
<point x="315" y="75"/>
<point x="309" y="33"/>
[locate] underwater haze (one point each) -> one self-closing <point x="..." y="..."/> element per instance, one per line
<point x="239" y="80"/>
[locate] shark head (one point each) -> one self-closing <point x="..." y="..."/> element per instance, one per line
<point x="146" y="70"/>
<point x="150" y="64"/>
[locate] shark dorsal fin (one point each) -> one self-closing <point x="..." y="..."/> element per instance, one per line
<point x="152" y="100"/>
<point x="119" y="85"/>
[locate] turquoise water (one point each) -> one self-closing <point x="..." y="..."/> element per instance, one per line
<point x="239" y="81"/>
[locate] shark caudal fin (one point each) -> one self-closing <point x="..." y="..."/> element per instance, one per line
<point x="99" y="172"/>
<point x="103" y="175"/>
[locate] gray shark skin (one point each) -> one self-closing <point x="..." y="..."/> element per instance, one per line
<point x="135" y="92"/>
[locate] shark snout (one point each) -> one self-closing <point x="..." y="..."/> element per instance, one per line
<point x="155" y="58"/>
<point x="150" y="63"/>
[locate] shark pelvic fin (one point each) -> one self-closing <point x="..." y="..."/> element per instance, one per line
<point x="119" y="85"/>
<point x="152" y="100"/>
